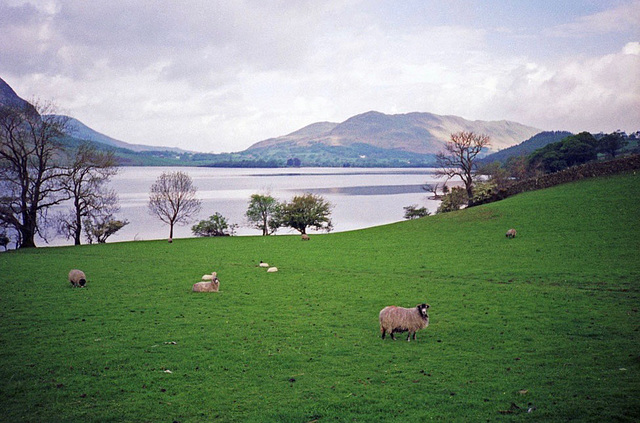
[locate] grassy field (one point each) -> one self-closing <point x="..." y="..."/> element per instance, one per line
<point x="544" y="327"/>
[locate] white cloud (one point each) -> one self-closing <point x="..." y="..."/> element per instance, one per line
<point x="593" y="94"/>
<point x="618" y="19"/>
<point x="219" y="76"/>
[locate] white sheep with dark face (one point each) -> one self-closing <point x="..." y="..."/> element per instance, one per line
<point x="399" y="319"/>
<point x="77" y="278"/>
<point x="511" y="233"/>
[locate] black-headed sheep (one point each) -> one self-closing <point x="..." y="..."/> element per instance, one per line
<point x="511" y="233"/>
<point x="77" y="278"/>
<point x="399" y="319"/>
<point x="211" y="286"/>
<point x="305" y="237"/>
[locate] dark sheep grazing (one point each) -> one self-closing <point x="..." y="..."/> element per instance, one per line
<point x="511" y="233"/>
<point x="399" y="319"/>
<point x="77" y="278"/>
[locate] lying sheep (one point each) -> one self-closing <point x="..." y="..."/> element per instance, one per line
<point x="272" y="270"/>
<point x="399" y="319"/>
<point x="77" y="278"/>
<point x="211" y="286"/>
<point x="263" y="264"/>
<point x="305" y="237"/>
<point x="511" y="233"/>
<point x="207" y="277"/>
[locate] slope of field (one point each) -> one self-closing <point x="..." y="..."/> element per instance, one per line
<point x="543" y="327"/>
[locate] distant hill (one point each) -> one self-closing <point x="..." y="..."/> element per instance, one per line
<point x="419" y="133"/>
<point x="371" y="139"/>
<point x="79" y="130"/>
<point x="527" y="147"/>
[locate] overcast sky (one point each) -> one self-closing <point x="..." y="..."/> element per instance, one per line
<point x="219" y="76"/>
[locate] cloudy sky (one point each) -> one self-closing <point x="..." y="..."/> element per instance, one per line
<point x="218" y="76"/>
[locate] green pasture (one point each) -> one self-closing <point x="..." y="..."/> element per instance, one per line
<point x="543" y="327"/>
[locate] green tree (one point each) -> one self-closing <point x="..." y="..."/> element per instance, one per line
<point x="611" y="143"/>
<point x="415" y="212"/>
<point x="216" y="225"/>
<point x="495" y="173"/>
<point x="261" y="212"/>
<point x="305" y="211"/>
<point x="453" y="200"/>
<point x="99" y="228"/>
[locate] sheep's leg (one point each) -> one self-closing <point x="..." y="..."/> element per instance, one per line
<point x="384" y="332"/>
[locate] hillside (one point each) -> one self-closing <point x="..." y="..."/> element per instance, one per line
<point x="527" y="147"/>
<point x="419" y="133"/>
<point x="79" y="130"/>
<point x="543" y="327"/>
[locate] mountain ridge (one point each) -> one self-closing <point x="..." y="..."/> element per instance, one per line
<point x="415" y="132"/>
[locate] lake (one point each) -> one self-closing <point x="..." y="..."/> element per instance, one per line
<point x="362" y="197"/>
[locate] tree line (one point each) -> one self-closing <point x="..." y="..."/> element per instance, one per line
<point x="173" y="200"/>
<point x="38" y="172"/>
<point x="459" y="159"/>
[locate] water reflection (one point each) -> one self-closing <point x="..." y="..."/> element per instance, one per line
<point x="361" y="197"/>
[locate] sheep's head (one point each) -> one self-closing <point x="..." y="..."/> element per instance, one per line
<point x="422" y="310"/>
<point x="82" y="282"/>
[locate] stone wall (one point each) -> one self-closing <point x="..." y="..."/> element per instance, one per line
<point x="587" y="170"/>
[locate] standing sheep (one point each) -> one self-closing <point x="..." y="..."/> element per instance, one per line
<point x="305" y="237"/>
<point x="511" y="233"/>
<point x="211" y="286"/>
<point x="77" y="278"/>
<point x="399" y="319"/>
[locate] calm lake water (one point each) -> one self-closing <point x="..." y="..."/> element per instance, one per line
<point x="361" y="197"/>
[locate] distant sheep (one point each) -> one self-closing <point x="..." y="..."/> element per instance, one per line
<point x="77" y="278"/>
<point x="511" y="233"/>
<point x="211" y="286"/>
<point x="207" y="277"/>
<point x="170" y="240"/>
<point x="272" y="270"/>
<point x="262" y="264"/>
<point x="305" y="237"/>
<point x="399" y="319"/>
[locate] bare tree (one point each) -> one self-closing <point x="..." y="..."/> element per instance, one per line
<point x="89" y="170"/>
<point x="459" y="157"/>
<point x="433" y="188"/>
<point x="30" y="170"/>
<point x="173" y="199"/>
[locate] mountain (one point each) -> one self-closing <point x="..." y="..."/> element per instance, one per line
<point x="527" y="147"/>
<point x="79" y="130"/>
<point x="9" y="98"/>
<point x="75" y="128"/>
<point x="419" y="133"/>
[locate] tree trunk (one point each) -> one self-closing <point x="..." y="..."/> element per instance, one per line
<point x="77" y="233"/>
<point x="28" y="237"/>
<point x="171" y="230"/>
<point x="28" y="230"/>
